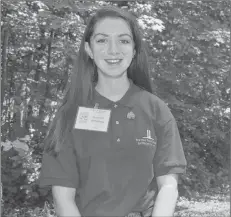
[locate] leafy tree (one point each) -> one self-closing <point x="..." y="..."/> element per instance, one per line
<point x="188" y="43"/>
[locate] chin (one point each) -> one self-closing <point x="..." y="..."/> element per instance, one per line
<point x="119" y="75"/>
<point x="115" y="74"/>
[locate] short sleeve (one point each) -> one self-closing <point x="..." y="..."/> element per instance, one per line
<point x="169" y="157"/>
<point x="61" y="170"/>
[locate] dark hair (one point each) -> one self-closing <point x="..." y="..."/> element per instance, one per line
<point x="84" y="75"/>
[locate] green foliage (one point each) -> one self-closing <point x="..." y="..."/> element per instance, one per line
<point x="20" y="170"/>
<point x="190" y="59"/>
<point x="189" y="43"/>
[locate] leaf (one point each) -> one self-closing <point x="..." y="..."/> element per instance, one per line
<point x="34" y="194"/>
<point x="172" y="100"/>
<point x="195" y="145"/>
<point x="43" y="191"/>
<point x="220" y="173"/>
<point x="13" y="189"/>
<point x="6" y="145"/>
<point x="18" y="100"/>
<point x="193" y="166"/>
<point x="45" y="14"/>
<point x="219" y="133"/>
<point x="26" y="138"/>
<point x="184" y="87"/>
<point x="16" y="158"/>
<point x="20" y="145"/>
<point x="56" y="24"/>
<point x="175" y="13"/>
<point x="19" y="131"/>
<point x="62" y="4"/>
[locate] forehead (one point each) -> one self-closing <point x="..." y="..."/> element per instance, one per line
<point x="112" y="26"/>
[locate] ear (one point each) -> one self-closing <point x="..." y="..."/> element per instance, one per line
<point x="88" y="50"/>
<point x="134" y="53"/>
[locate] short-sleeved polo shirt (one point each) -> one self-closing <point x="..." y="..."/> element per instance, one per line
<point x="114" y="171"/>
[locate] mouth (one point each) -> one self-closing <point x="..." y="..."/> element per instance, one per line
<point x="113" y="61"/>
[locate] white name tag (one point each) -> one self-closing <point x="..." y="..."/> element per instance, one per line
<point x="93" y="119"/>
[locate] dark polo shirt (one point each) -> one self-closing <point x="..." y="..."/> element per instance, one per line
<point x="114" y="172"/>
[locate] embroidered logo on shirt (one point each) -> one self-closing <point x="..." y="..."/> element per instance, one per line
<point x="131" y="115"/>
<point x="147" y="140"/>
<point x="96" y="106"/>
<point x="134" y="214"/>
<point x="148" y="135"/>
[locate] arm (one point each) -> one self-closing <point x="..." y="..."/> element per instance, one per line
<point x="64" y="201"/>
<point x="169" y="162"/>
<point x="167" y="196"/>
<point x="61" y="172"/>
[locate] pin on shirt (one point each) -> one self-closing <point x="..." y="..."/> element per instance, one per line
<point x="96" y="106"/>
<point x="131" y="115"/>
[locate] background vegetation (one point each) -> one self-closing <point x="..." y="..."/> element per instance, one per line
<point x="189" y="48"/>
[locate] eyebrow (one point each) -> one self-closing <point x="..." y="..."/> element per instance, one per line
<point x="120" y="35"/>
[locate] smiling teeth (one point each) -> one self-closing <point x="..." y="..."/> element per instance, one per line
<point x="113" y="61"/>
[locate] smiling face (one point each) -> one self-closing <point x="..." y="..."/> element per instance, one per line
<point x="111" y="47"/>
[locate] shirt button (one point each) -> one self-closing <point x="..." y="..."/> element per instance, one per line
<point x="118" y="140"/>
<point x="117" y="122"/>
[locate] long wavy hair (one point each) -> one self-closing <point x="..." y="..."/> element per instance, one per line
<point x="84" y="76"/>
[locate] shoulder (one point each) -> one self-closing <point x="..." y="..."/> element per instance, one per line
<point x="152" y="105"/>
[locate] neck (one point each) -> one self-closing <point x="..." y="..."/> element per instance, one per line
<point x="113" y="87"/>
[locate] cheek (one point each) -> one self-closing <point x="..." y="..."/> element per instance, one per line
<point x="127" y="50"/>
<point x="128" y="54"/>
<point x="100" y="51"/>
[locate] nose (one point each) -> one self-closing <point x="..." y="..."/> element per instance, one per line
<point x="113" y="47"/>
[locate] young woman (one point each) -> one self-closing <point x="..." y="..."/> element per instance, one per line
<point x="113" y="148"/>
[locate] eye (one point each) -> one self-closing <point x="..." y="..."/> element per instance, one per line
<point x="102" y="40"/>
<point x="124" y="41"/>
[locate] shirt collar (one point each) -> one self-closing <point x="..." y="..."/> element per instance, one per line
<point x="126" y="100"/>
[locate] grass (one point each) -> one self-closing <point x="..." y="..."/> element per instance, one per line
<point x="204" y="206"/>
<point x="199" y="206"/>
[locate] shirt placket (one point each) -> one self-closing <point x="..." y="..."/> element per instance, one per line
<point x="116" y="124"/>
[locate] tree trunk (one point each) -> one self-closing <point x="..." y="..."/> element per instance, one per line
<point x="42" y="105"/>
<point x="39" y="54"/>
<point x="15" y="121"/>
<point x="5" y="37"/>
